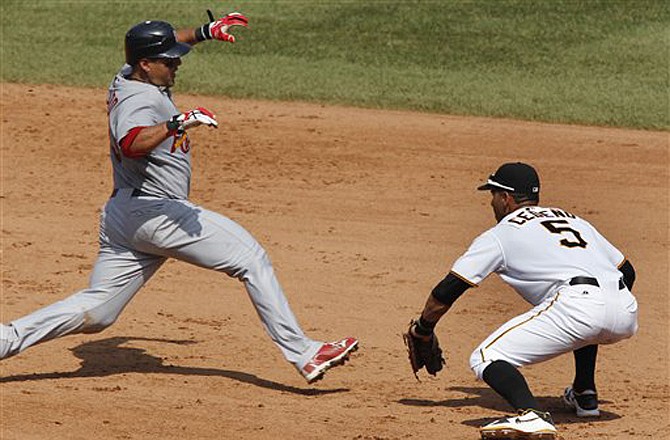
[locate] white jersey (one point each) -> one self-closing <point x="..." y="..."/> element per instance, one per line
<point x="166" y="170"/>
<point x="536" y="249"/>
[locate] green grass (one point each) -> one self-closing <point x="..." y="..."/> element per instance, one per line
<point x="586" y="62"/>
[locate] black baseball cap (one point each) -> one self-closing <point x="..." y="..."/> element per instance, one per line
<point x="516" y="178"/>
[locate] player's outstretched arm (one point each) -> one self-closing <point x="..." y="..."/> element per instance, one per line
<point x="422" y="344"/>
<point x="214" y="30"/>
<point x="442" y="297"/>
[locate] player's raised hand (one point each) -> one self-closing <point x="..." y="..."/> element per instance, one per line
<point x="218" y="29"/>
<point x="192" y="118"/>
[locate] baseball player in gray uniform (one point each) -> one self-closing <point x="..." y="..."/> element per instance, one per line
<point x="149" y="218"/>
<point x="577" y="282"/>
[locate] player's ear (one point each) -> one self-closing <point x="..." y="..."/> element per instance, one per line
<point x="508" y="198"/>
<point x="144" y="65"/>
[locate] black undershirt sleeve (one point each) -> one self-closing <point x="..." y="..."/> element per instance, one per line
<point x="449" y="289"/>
<point x="628" y="272"/>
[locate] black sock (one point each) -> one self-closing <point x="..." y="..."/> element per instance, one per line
<point x="507" y="381"/>
<point x="585" y="368"/>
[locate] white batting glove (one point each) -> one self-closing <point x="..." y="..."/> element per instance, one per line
<point x="218" y="29"/>
<point x="193" y="118"/>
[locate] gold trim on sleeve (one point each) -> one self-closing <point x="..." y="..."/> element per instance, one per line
<point x="465" y="280"/>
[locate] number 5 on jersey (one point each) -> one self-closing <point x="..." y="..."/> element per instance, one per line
<point x="555" y="227"/>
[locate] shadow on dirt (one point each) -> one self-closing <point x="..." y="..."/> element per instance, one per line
<point x="108" y="357"/>
<point x="485" y="397"/>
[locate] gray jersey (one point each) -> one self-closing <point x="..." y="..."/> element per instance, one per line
<point x="140" y="230"/>
<point x="166" y="170"/>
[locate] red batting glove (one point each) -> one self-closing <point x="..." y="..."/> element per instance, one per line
<point x="193" y="118"/>
<point x="219" y="29"/>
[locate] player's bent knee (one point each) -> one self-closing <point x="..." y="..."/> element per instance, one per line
<point x="478" y="364"/>
<point x="627" y="331"/>
<point x="95" y="324"/>
<point x="257" y="264"/>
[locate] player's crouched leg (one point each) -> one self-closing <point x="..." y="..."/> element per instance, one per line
<point x="624" y="316"/>
<point x="478" y="364"/>
<point x="482" y="358"/>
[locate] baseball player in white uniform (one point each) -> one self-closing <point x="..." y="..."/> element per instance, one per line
<point x="577" y="282"/>
<point x="149" y="218"/>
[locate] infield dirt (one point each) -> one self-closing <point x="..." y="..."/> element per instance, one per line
<point x="362" y="213"/>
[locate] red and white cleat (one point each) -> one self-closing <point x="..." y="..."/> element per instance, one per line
<point x="329" y="355"/>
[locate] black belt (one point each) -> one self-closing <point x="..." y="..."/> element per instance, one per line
<point x="591" y="281"/>
<point x="136" y="193"/>
<point x="584" y="280"/>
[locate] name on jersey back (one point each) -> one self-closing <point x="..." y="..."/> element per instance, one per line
<point x="533" y="212"/>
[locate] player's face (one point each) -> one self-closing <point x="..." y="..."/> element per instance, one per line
<point x="500" y="204"/>
<point x="162" y="71"/>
